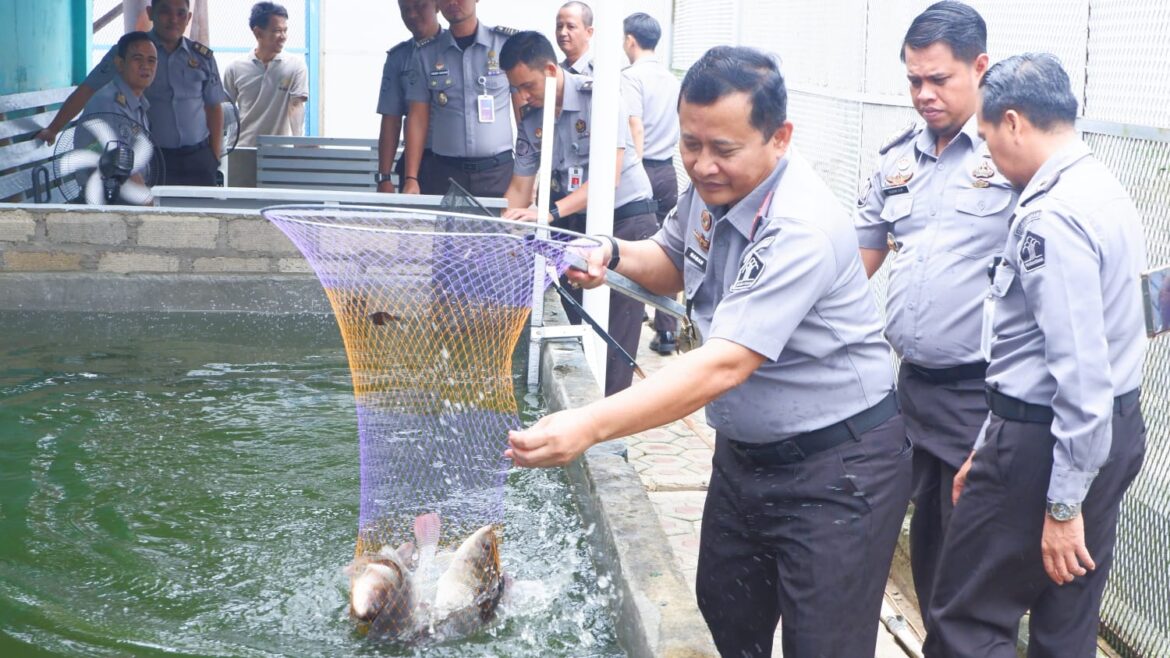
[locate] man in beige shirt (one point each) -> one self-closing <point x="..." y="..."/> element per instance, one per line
<point x="269" y="88"/>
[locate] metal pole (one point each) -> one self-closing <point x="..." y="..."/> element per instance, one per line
<point x="607" y="31"/>
<point x="544" y="188"/>
<point x="313" y="54"/>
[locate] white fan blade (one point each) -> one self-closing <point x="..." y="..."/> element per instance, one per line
<point x="143" y="152"/>
<point x="78" y="160"/>
<point x="102" y="132"/>
<point x="134" y="193"/>
<point x="94" y="194"/>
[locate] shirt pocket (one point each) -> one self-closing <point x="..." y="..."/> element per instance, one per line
<point x="497" y="87"/>
<point x="897" y="207"/>
<point x="191" y="83"/>
<point x="980" y="224"/>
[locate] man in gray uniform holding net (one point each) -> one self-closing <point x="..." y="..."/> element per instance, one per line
<point x="459" y="95"/>
<point x="529" y="60"/>
<point x="650" y="94"/>
<point x="812" y="467"/>
<point x="938" y="199"/>
<point x="1035" y="520"/>
<point x="421" y="17"/>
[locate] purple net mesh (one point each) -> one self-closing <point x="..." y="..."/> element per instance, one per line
<point x="430" y="307"/>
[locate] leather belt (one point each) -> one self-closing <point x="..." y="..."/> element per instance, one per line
<point x="635" y="208"/>
<point x="187" y="150"/>
<point x="476" y="164"/>
<point x="1010" y="408"/>
<point x="797" y="448"/>
<point x="963" y="372"/>
<point x="669" y="162"/>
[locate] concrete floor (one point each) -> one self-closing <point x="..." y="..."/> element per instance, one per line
<point x="674" y="463"/>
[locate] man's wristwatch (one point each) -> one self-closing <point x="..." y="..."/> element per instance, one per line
<point x="380" y="178"/>
<point x="1063" y="511"/>
<point x="554" y="213"/>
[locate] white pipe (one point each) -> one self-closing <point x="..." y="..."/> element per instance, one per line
<point x="607" y="34"/>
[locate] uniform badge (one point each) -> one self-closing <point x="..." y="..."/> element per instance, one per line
<point x="439" y="65"/>
<point x="193" y="63"/>
<point x="539" y="133"/>
<point x="1032" y="252"/>
<point x="580" y="126"/>
<point x="120" y="99"/>
<point x="749" y="272"/>
<point x="493" y="64"/>
<point x="984" y="170"/>
<point x="705" y="220"/>
<point x="554" y="185"/>
<point x="904" y="173"/>
<point x="443" y="99"/>
<point x="981" y="184"/>
<point x="704" y="243"/>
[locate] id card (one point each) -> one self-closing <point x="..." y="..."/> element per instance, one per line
<point x="576" y="176"/>
<point x="487" y="108"/>
<point x="986" y="335"/>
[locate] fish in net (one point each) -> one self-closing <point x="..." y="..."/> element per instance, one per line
<point x="430" y="305"/>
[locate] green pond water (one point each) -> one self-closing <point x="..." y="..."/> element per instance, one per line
<point x="187" y="485"/>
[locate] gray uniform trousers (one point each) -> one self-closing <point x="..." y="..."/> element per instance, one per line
<point x="808" y="544"/>
<point x="664" y="182"/>
<point x="625" y="314"/>
<point x="943" y="420"/>
<point x="991" y="572"/>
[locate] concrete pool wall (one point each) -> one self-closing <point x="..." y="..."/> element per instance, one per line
<point x="128" y="259"/>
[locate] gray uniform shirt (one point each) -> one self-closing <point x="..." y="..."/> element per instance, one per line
<point x="583" y="65"/>
<point x="396" y="73"/>
<point x="186" y="80"/>
<point x="451" y="80"/>
<point x="790" y="287"/>
<point x="947" y="215"/>
<point x="571" y="147"/>
<point x="650" y="92"/>
<point x="1069" y="331"/>
<point x="116" y="98"/>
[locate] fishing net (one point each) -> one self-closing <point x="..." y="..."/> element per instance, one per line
<point x="430" y="306"/>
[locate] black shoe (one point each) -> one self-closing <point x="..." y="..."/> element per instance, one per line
<point x="664" y="342"/>
<point x="645" y="317"/>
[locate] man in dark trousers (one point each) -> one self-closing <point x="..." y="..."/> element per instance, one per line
<point x="1037" y="502"/>
<point x="811" y="471"/>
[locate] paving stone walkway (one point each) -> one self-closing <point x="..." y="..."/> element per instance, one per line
<point x="674" y="463"/>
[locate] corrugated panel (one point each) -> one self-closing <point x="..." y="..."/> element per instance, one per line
<point x="799" y="30"/>
<point x="826" y="132"/>
<point x="1129" y="48"/>
<point x="699" y="25"/>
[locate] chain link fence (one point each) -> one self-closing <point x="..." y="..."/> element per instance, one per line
<point x="848" y="93"/>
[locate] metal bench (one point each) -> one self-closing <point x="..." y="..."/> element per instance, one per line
<point x="26" y="173"/>
<point x="317" y="163"/>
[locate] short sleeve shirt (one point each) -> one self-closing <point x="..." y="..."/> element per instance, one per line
<point x="185" y="82"/>
<point x="264" y="93"/>
<point x="451" y="81"/>
<point x="946" y="215"/>
<point x="571" y="144"/>
<point x="779" y="273"/>
<point x="650" y="92"/>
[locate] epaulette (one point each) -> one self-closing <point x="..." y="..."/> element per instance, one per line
<point x="201" y="49"/>
<point x="422" y="42"/>
<point x="506" y="31"/>
<point x="899" y="137"/>
<point x="400" y="46"/>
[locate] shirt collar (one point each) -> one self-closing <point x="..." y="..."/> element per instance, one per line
<point x="1049" y="172"/>
<point x="133" y="102"/>
<point x="743" y="214"/>
<point x="162" y="50"/>
<point x="927" y="139"/>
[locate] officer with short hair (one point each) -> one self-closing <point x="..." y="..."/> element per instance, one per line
<point x="528" y="58"/>
<point x="460" y="95"/>
<point x="812" y="467"/>
<point x="185" y="114"/>
<point x="421" y="17"/>
<point x="650" y="94"/>
<point x="939" y="200"/>
<point x="136" y="61"/>
<point x="574" y="32"/>
<point x="1035" y="521"/>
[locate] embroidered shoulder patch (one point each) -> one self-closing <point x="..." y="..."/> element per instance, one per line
<point x="751" y="267"/>
<point x="1031" y="252"/>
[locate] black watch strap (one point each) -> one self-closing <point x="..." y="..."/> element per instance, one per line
<point x="554" y="213"/>
<point x="380" y="177"/>
<point x="615" y="255"/>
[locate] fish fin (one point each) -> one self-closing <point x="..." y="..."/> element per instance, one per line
<point x="426" y="529"/>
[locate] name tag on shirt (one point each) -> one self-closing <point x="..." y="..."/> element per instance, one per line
<point x="696" y="258"/>
<point x="895" y="191"/>
<point x="487" y="108"/>
<point x="576" y="176"/>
